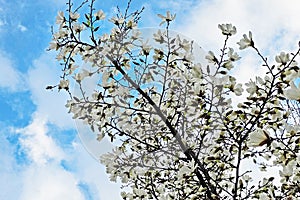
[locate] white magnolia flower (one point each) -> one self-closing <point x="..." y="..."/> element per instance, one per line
<point x="282" y="58"/>
<point x="251" y="87"/>
<point x="293" y="93"/>
<point x="188" y="57"/>
<point x="292" y="130"/>
<point x="158" y="55"/>
<point x="246" y="41"/>
<point x="60" y="34"/>
<point x="211" y="57"/>
<point x="227" y="29"/>
<point x="238" y="89"/>
<point x="228" y="65"/>
<point x="53" y="45"/>
<point x="196" y="71"/>
<point x="185" y="44"/>
<point x="78" y="27"/>
<point x="63" y="84"/>
<point x="169" y="17"/>
<point x="264" y="196"/>
<point x="74" y="16"/>
<point x="80" y="76"/>
<point x="259" y="137"/>
<point x="60" y="18"/>
<point x="233" y="56"/>
<point x="131" y="24"/>
<point x="184" y="170"/>
<point x="139" y="192"/>
<point x="247" y="178"/>
<point x="71" y="69"/>
<point x="291" y="74"/>
<point x="104" y="37"/>
<point x="287" y="170"/>
<point x="159" y="36"/>
<point x="100" y="15"/>
<point x="105" y="78"/>
<point x="117" y="21"/>
<point x="224" y="80"/>
<point x="135" y="34"/>
<point x="146" y="48"/>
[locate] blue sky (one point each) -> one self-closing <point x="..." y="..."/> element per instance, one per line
<point x="41" y="154"/>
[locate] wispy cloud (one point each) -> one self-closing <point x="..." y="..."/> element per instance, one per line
<point x="49" y="182"/>
<point x="22" y="28"/>
<point x="10" y="78"/>
<point x="9" y="170"/>
<point x="273" y="23"/>
<point x="39" y="146"/>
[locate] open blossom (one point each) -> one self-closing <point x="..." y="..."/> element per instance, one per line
<point x="291" y="75"/>
<point x="74" y="16"/>
<point x="78" y="27"/>
<point x="146" y="48"/>
<point x="60" y="18"/>
<point x="251" y="87"/>
<point x="105" y="78"/>
<point x="264" y="196"/>
<point x="227" y="29"/>
<point x="238" y="89"/>
<point x="117" y="21"/>
<point x="63" y="84"/>
<point x="169" y="17"/>
<point x="185" y="44"/>
<point x="246" y="41"/>
<point x="131" y="24"/>
<point x="287" y="171"/>
<point x="282" y="58"/>
<point x="158" y="55"/>
<point x="80" y="76"/>
<point x="233" y="56"/>
<point x="196" y="71"/>
<point x="259" y="137"/>
<point x="159" y="36"/>
<point x="135" y="34"/>
<point x="228" y="65"/>
<point x="100" y="15"/>
<point x="211" y="57"/>
<point x="53" y="45"/>
<point x="292" y="93"/>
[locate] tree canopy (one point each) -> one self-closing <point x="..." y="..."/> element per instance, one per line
<point x="172" y="113"/>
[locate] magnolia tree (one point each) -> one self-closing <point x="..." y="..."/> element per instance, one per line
<point x="177" y="130"/>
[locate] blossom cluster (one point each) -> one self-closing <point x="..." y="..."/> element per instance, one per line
<point x="178" y="134"/>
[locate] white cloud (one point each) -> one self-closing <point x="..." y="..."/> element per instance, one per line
<point x="49" y="182"/>
<point x="10" y="78"/>
<point x="265" y="19"/>
<point x="9" y="171"/>
<point x="2" y="23"/>
<point x="22" y="28"/>
<point x="45" y="178"/>
<point x="175" y="5"/>
<point x="39" y="146"/>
